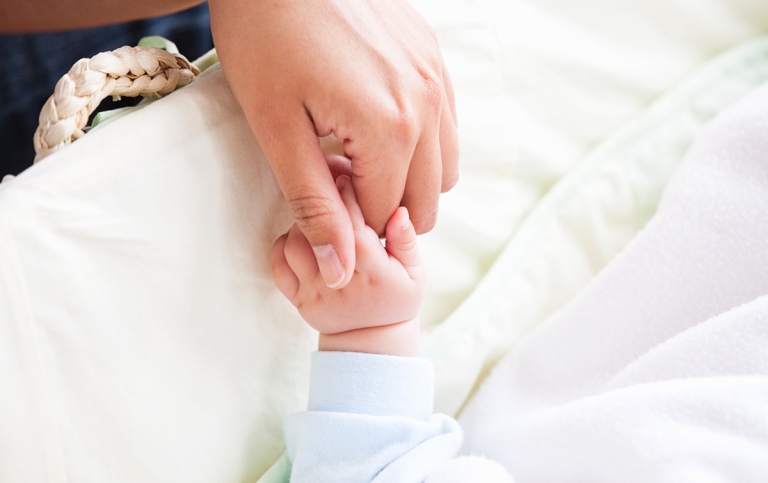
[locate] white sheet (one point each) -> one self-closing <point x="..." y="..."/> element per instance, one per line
<point x="658" y="371"/>
<point x="540" y="83"/>
<point x="582" y="223"/>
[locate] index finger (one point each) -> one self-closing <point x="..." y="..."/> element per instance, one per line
<point x="290" y="142"/>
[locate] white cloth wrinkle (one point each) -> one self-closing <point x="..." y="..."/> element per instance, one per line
<point x="658" y="370"/>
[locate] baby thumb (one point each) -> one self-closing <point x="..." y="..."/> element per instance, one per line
<point x="401" y="239"/>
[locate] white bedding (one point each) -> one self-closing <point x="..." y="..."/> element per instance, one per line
<point x="583" y="222"/>
<point x="141" y="337"/>
<point x="658" y="371"/>
<point x="540" y="83"/>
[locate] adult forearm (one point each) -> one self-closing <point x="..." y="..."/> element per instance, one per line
<point x="20" y="16"/>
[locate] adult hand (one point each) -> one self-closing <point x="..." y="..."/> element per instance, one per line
<point x="371" y="73"/>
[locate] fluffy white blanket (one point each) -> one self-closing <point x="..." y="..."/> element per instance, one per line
<point x="658" y="371"/>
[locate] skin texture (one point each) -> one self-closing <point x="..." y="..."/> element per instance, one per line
<point x="377" y="311"/>
<point x="369" y="72"/>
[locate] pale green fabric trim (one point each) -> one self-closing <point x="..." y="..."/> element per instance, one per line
<point x="159" y="43"/>
<point x="280" y="472"/>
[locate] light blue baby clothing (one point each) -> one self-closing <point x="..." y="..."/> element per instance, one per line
<point x="369" y="418"/>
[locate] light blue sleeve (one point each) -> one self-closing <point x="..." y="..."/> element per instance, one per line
<point x="369" y="419"/>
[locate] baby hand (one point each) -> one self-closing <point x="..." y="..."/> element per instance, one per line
<point x="377" y="312"/>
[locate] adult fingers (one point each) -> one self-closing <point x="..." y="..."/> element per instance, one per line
<point x="423" y="185"/>
<point x="381" y="147"/>
<point x="291" y="145"/>
<point x="285" y="280"/>
<point x="379" y="181"/>
<point x="449" y="92"/>
<point x="449" y="141"/>
<point x="422" y="190"/>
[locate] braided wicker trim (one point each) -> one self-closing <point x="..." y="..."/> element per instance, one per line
<point x="127" y="71"/>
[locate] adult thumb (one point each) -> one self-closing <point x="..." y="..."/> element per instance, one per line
<point x="314" y="201"/>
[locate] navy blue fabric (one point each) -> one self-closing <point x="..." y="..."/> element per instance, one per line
<point x="30" y="66"/>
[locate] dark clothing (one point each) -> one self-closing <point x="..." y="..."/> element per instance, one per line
<point x="31" y="64"/>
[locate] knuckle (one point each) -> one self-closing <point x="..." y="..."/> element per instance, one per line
<point x="311" y="212"/>
<point x="409" y="125"/>
<point x="403" y="123"/>
<point x="432" y="88"/>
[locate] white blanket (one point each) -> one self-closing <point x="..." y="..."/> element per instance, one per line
<point x="658" y="371"/>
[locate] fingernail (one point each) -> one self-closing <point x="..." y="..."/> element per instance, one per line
<point x="342" y="182"/>
<point x="405" y="221"/>
<point x="330" y="265"/>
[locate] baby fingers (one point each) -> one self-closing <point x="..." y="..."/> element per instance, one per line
<point x="401" y="242"/>
<point x="285" y="279"/>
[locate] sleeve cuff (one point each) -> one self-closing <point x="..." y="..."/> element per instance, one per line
<point x="371" y="384"/>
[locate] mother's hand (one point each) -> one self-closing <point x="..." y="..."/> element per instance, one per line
<point x="371" y="73"/>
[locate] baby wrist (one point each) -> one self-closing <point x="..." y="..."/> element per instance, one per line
<point x="400" y="339"/>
